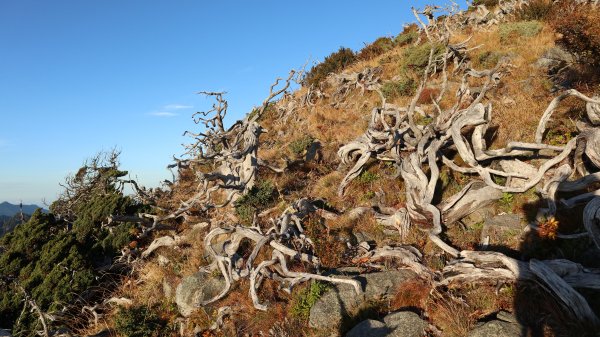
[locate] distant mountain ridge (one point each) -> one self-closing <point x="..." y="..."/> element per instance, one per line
<point x="8" y="209"/>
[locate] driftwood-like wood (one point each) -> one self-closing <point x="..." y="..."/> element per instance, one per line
<point x="285" y="240"/>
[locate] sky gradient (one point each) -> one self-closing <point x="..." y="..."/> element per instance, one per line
<point x="78" y="77"/>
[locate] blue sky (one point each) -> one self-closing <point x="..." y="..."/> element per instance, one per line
<point x="78" y="77"/>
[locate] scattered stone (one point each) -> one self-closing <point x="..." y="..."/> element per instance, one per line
<point x="405" y="324"/>
<point x="501" y="227"/>
<point x="496" y="329"/>
<point x="555" y="58"/>
<point x="370" y="327"/>
<point x="341" y="302"/>
<point x="194" y="289"/>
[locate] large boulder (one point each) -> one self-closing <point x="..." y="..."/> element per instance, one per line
<point x="405" y="324"/>
<point x="339" y="304"/>
<point x="397" y="324"/>
<point x="196" y="288"/>
<point x="370" y="327"/>
<point x="496" y="329"/>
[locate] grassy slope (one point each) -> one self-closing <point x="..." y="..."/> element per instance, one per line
<point x="518" y="103"/>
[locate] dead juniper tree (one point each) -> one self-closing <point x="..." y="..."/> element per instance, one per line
<point x="419" y="151"/>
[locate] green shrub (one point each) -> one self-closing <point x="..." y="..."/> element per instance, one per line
<point x="333" y="63"/>
<point x="514" y="30"/>
<point x="298" y="146"/>
<point x="138" y="322"/>
<point x="406" y="37"/>
<point x="417" y="57"/>
<point x="305" y="300"/>
<point x="55" y="258"/>
<point x="367" y="177"/>
<point x="259" y="197"/>
<point x="380" y="46"/>
<point x="536" y="10"/>
<point x="403" y="87"/>
<point x="489" y="59"/>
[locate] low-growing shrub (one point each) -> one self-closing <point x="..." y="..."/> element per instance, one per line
<point x="514" y="30"/>
<point x="409" y="35"/>
<point x="417" y="57"/>
<point x="380" y="46"/>
<point x="367" y="177"/>
<point x="307" y="298"/>
<point x="298" y="146"/>
<point x="138" y="322"/>
<point x="403" y="87"/>
<point x="259" y="197"/>
<point x="489" y="59"/>
<point x="333" y="63"/>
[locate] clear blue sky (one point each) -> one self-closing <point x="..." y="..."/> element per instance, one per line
<point x="78" y="77"/>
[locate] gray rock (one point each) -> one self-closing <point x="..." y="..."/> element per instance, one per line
<point x="5" y="333"/>
<point x="370" y="327"/>
<point x="554" y="58"/>
<point x="501" y="227"/>
<point x="405" y="324"/>
<point x="496" y="329"/>
<point x="341" y="302"/>
<point x="194" y="289"/>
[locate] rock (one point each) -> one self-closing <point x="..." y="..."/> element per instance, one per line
<point x="370" y="327"/>
<point x="5" y="333"/>
<point x="555" y="58"/>
<point x="341" y="302"/>
<point x="478" y="216"/>
<point x="405" y="324"/>
<point x="501" y="227"/>
<point x="194" y="289"/>
<point x="518" y="167"/>
<point x="496" y="329"/>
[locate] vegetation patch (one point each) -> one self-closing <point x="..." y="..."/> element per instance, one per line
<point x="298" y="146"/>
<point x="378" y="47"/>
<point x="333" y="63"/>
<point x="405" y="86"/>
<point x="306" y="298"/>
<point x="259" y="197"/>
<point x="139" y="322"/>
<point x="514" y="30"/>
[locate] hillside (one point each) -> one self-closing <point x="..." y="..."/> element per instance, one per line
<point x="9" y="209"/>
<point x="441" y="182"/>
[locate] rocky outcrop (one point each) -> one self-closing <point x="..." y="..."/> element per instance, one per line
<point x="397" y="324"/>
<point x="496" y="328"/>
<point x="196" y="288"/>
<point x="340" y="304"/>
